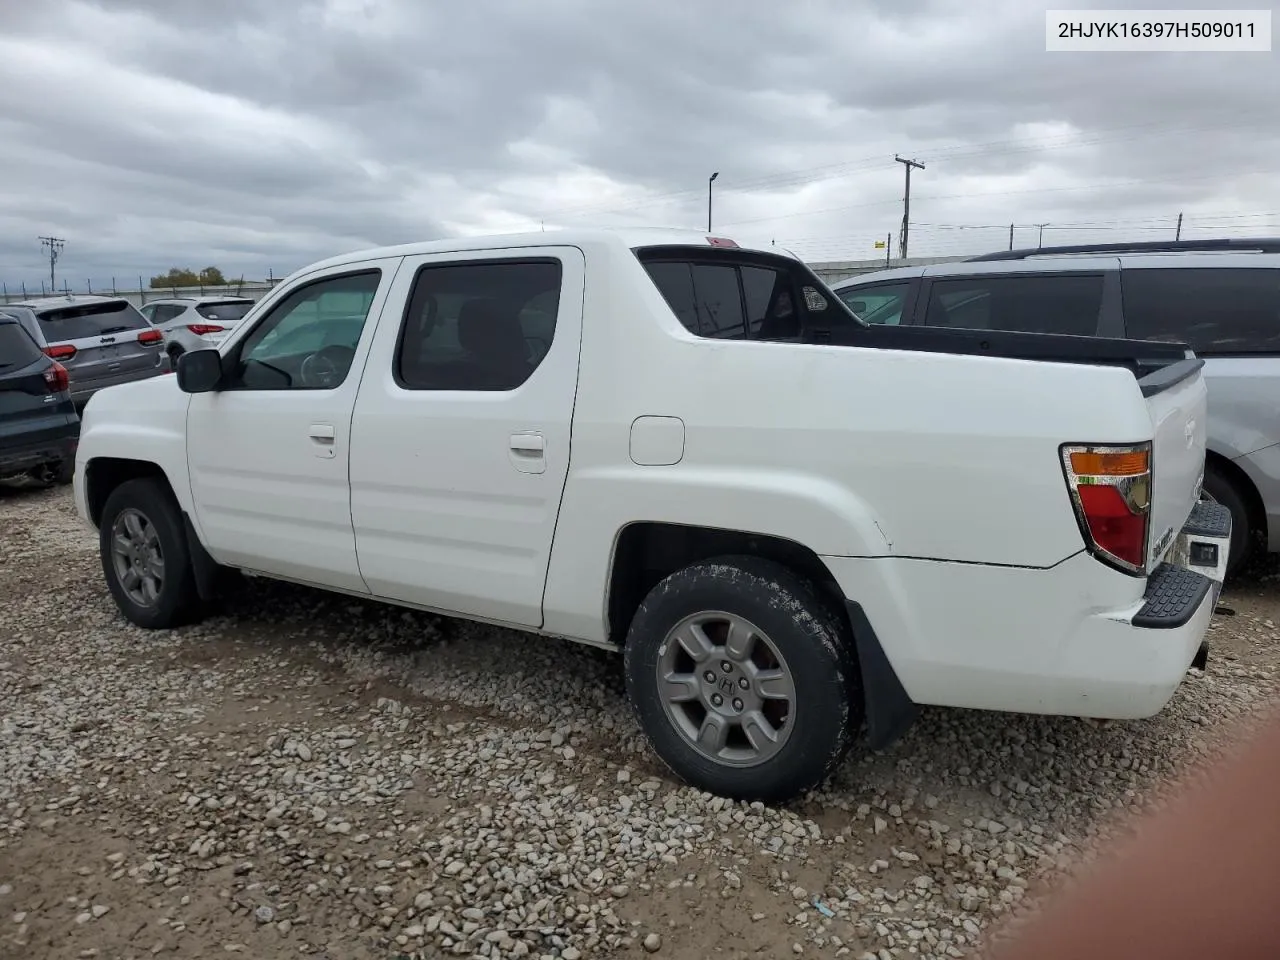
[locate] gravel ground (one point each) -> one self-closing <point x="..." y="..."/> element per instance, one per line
<point x="311" y="776"/>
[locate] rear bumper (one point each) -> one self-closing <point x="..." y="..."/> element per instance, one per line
<point x="1078" y="639"/>
<point x="82" y="391"/>
<point x="18" y="453"/>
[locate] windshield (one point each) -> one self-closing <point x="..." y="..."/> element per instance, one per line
<point x="230" y="312"/>
<point x="86" y="320"/>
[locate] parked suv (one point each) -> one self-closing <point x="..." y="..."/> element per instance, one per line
<point x="102" y="341"/>
<point x="195" y="323"/>
<point x="38" y="422"/>
<point x="1221" y="297"/>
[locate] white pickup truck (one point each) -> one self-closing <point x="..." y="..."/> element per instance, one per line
<point x="791" y="524"/>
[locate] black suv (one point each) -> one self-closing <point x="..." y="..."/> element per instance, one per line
<point x="38" y="422"/>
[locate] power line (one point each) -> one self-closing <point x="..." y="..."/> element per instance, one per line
<point x="872" y="164"/>
<point x="943" y="239"/>
<point x="1154" y="222"/>
<point x="995" y="193"/>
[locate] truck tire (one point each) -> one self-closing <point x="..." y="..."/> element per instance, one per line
<point x="1221" y="490"/>
<point x="145" y="558"/>
<point x="744" y="679"/>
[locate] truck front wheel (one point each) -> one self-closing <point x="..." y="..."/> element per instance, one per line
<point x="742" y="675"/>
<point x="145" y="557"/>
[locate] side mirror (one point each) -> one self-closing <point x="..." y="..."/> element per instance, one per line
<point x="858" y="306"/>
<point x="199" y="371"/>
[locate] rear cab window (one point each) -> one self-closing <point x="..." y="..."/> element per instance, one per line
<point x="17" y="349"/>
<point x="732" y="294"/>
<point x="1062" y="303"/>
<point x="86" y="320"/>
<point x="1214" y="310"/>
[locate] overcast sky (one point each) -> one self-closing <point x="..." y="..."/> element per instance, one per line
<point x="257" y="135"/>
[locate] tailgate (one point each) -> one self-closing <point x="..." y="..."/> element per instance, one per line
<point x="1176" y="399"/>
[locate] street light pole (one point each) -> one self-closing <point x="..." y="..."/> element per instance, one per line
<point x="710" y="181"/>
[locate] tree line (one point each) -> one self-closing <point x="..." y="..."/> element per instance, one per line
<point x="184" y="277"/>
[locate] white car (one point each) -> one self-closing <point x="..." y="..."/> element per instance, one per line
<point x="787" y="521"/>
<point x="195" y="323"/>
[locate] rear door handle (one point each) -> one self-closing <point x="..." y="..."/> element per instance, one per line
<point x="528" y="452"/>
<point x="528" y="443"/>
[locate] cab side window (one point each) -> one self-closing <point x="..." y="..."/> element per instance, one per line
<point x="308" y="340"/>
<point x="483" y="326"/>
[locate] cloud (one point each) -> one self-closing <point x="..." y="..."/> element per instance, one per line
<point x="154" y="133"/>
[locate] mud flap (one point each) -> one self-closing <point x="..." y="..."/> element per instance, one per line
<point x="208" y="573"/>
<point x="890" y="711"/>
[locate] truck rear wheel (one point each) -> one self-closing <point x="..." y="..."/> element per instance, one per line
<point x="145" y="557"/>
<point x="742" y="676"/>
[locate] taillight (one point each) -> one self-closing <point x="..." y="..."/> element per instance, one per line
<point x="63" y="351"/>
<point x="1111" y="492"/>
<point x="200" y="329"/>
<point x="150" y="336"/>
<point x="56" y="378"/>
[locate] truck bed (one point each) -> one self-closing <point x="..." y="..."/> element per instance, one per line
<point x="1143" y="358"/>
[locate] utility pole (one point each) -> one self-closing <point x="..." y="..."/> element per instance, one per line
<point x="1011" y="236"/>
<point x="710" y="180"/>
<point x="1040" y="242"/>
<point x="1178" y="235"/>
<point x="888" y="247"/>
<point x="906" y="198"/>
<point x="54" y="245"/>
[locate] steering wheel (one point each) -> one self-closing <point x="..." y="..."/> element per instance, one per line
<point x="327" y="366"/>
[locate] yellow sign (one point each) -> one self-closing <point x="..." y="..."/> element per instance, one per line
<point x="879" y="244"/>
